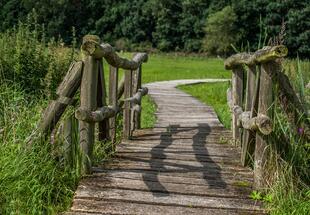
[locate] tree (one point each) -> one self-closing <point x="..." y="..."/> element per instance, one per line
<point x="167" y="35"/>
<point x="192" y="21"/>
<point x="221" y="32"/>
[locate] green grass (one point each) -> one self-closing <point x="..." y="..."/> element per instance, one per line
<point x="163" y="67"/>
<point x="33" y="177"/>
<point x="214" y="95"/>
<point x="148" y="118"/>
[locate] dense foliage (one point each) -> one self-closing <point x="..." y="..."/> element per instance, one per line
<point x="163" y="24"/>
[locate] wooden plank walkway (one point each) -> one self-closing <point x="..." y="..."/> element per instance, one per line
<point x="182" y="166"/>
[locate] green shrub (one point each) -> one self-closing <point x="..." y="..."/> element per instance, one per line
<point x="221" y="32"/>
<point x="28" y="60"/>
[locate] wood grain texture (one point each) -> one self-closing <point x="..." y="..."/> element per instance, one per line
<point x="66" y="92"/>
<point x="88" y="102"/>
<point x="113" y="100"/>
<point x="103" y="126"/>
<point x="182" y="166"/>
<point x="127" y="105"/>
<point x="265" y="103"/>
<point x="248" y="138"/>
<point x="237" y="96"/>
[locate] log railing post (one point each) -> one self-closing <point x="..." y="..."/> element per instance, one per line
<point x="237" y="94"/>
<point x="66" y="92"/>
<point x="88" y="102"/>
<point x="127" y="105"/>
<point x="265" y="103"/>
<point x="248" y="138"/>
<point x="137" y="116"/>
<point x="136" y="85"/>
<point x="103" y="127"/>
<point x="113" y="98"/>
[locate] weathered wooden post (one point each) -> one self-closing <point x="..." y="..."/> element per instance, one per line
<point x="137" y="115"/>
<point x="237" y="94"/>
<point x="265" y="107"/>
<point x="127" y="104"/>
<point x="113" y="101"/>
<point x="88" y="103"/>
<point x="248" y="139"/>
<point x="103" y="126"/>
<point x="66" y="92"/>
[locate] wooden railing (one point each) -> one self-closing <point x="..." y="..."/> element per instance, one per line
<point x="254" y="79"/>
<point x="88" y="75"/>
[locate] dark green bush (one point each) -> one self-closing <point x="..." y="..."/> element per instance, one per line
<point x="27" y="59"/>
<point x="221" y="32"/>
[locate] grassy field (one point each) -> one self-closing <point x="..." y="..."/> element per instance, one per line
<point x="172" y="67"/>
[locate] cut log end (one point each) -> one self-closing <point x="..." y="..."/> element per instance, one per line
<point x="90" y="44"/>
<point x="96" y="116"/>
<point x="264" y="124"/>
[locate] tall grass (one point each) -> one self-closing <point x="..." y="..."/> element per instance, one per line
<point x="290" y="152"/>
<point x="34" y="178"/>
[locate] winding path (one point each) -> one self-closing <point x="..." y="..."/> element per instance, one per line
<point x="182" y="166"/>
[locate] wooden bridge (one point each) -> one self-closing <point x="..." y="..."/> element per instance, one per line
<point x="188" y="163"/>
<point x="182" y="166"/>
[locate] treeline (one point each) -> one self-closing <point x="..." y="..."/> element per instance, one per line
<point x="178" y="25"/>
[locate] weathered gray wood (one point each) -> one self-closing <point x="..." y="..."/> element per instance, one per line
<point x="103" y="125"/>
<point x="264" y="107"/>
<point x="260" y="123"/>
<point x="171" y="199"/>
<point x="175" y="169"/>
<point x="127" y="105"/>
<point x="137" y="114"/>
<point x="89" y="103"/>
<point x="66" y="91"/>
<point x="248" y="138"/>
<point x="93" y="207"/>
<point x="91" y="46"/>
<point x="266" y="54"/>
<point x="237" y="94"/>
<point x="137" y="97"/>
<point x="113" y="100"/>
<point x="101" y="114"/>
<point x="67" y="140"/>
<point x="229" y="99"/>
<point x="120" y="89"/>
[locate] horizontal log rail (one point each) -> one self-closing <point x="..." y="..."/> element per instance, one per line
<point x="268" y="53"/>
<point x="98" y="115"/>
<point x="92" y="47"/>
<point x="137" y="98"/>
<point x="251" y="101"/>
<point x="88" y="75"/>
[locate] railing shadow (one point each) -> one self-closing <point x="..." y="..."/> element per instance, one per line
<point x="210" y="170"/>
<point x="150" y="179"/>
<point x="199" y="147"/>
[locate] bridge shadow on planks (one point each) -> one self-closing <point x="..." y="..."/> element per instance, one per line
<point x="210" y="170"/>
